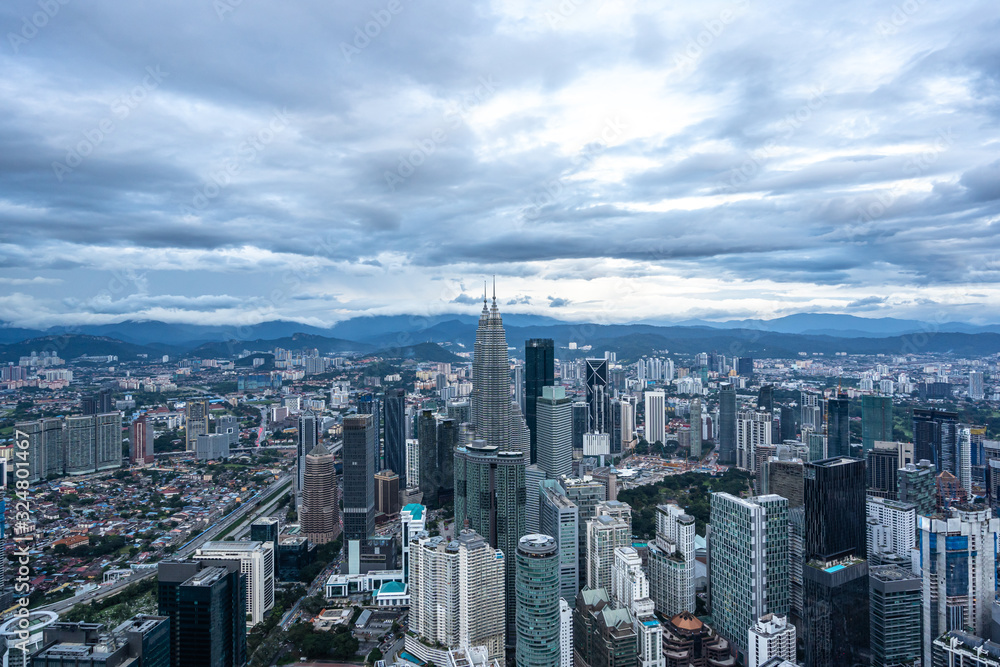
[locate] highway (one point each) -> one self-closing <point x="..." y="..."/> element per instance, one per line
<point x="186" y="550"/>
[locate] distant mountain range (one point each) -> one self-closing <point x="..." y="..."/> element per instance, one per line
<point x="381" y="330"/>
<point x="844" y="326"/>
<point x="438" y="338"/>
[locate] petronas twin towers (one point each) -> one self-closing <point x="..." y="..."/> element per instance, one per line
<point x="497" y="418"/>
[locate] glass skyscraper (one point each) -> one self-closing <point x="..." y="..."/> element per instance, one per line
<point x="748" y="562"/>
<point x="360" y="452"/>
<point x="838" y="426"/>
<point x="537" y="590"/>
<point x="539" y="371"/>
<point x="395" y="434"/>
<point x="207" y="609"/>
<point x="876" y="420"/>
<point x="835" y="572"/>
<point x="895" y="615"/>
<point x="727" y="423"/>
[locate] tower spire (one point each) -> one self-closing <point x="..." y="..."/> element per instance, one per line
<point x="494" y="287"/>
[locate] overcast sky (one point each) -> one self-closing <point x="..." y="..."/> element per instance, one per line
<point x="220" y="161"/>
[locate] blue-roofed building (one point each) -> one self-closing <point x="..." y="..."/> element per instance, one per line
<point x="391" y="594"/>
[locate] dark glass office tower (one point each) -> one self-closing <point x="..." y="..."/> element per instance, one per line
<point x="883" y="467"/>
<point x="370" y="403"/>
<point x="835" y="572"/>
<point x="427" y="448"/>
<point x="447" y="441"/>
<point x="308" y="439"/>
<point x="836" y="511"/>
<point x="935" y="438"/>
<point x="360" y="452"/>
<point x="838" y="427"/>
<point x="765" y="398"/>
<point x="437" y="438"/>
<point x="788" y="426"/>
<point x="836" y="613"/>
<point x="539" y="371"/>
<point x="876" y="420"/>
<point x="206" y="605"/>
<point x="727" y="423"/>
<point x="744" y="367"/>
<point x="895" y="611"/>
<point x="598" y="395"/>
<point x="264" y="530"/>
<point x="581" y="423"/>
<point x="395" y="433"/>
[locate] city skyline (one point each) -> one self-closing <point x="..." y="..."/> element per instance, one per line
<point x="728" y="160"/>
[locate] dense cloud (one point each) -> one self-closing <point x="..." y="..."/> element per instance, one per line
<point x="204" y="160"/>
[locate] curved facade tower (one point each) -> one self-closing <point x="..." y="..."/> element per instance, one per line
<point x="491" y="401"/>
<point x="537" y="592"/>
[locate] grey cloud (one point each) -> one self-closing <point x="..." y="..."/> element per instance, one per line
<point x="868" y="303"/>
<point x="318" y="190"/>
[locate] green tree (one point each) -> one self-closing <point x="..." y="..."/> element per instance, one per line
<point x="319" y="645"/>
<point x="345" y="646"/>
<point x="374" y="656"/>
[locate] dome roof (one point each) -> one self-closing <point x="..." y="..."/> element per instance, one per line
<point x="687" y="621"/>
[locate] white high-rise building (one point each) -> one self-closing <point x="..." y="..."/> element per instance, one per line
<point x="412" y="522"/>
<point x="656" y="414"/>
<point x="964" y="445"/>
<point x="412" y="461"/>
<point x="630" y="590"/>
<point x="958" y="561"/>
<point x="604" y="535"/>
<point x="457" y="596"/>
<point x="257" y="562"/>
<point x="892" y="528"/>
<point x="628" y="581"/>
<point x="648" y="634"/>
<point x="565" y="634"/>
<point x="628" y="420"/>
<point x="812" y="412"/>
<point x="977" y="389"/>
<point x="771" y="637"/>
<point x="672" y="562"/>
<point x="753" y="429"/>
<point x="615" y="509"/>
